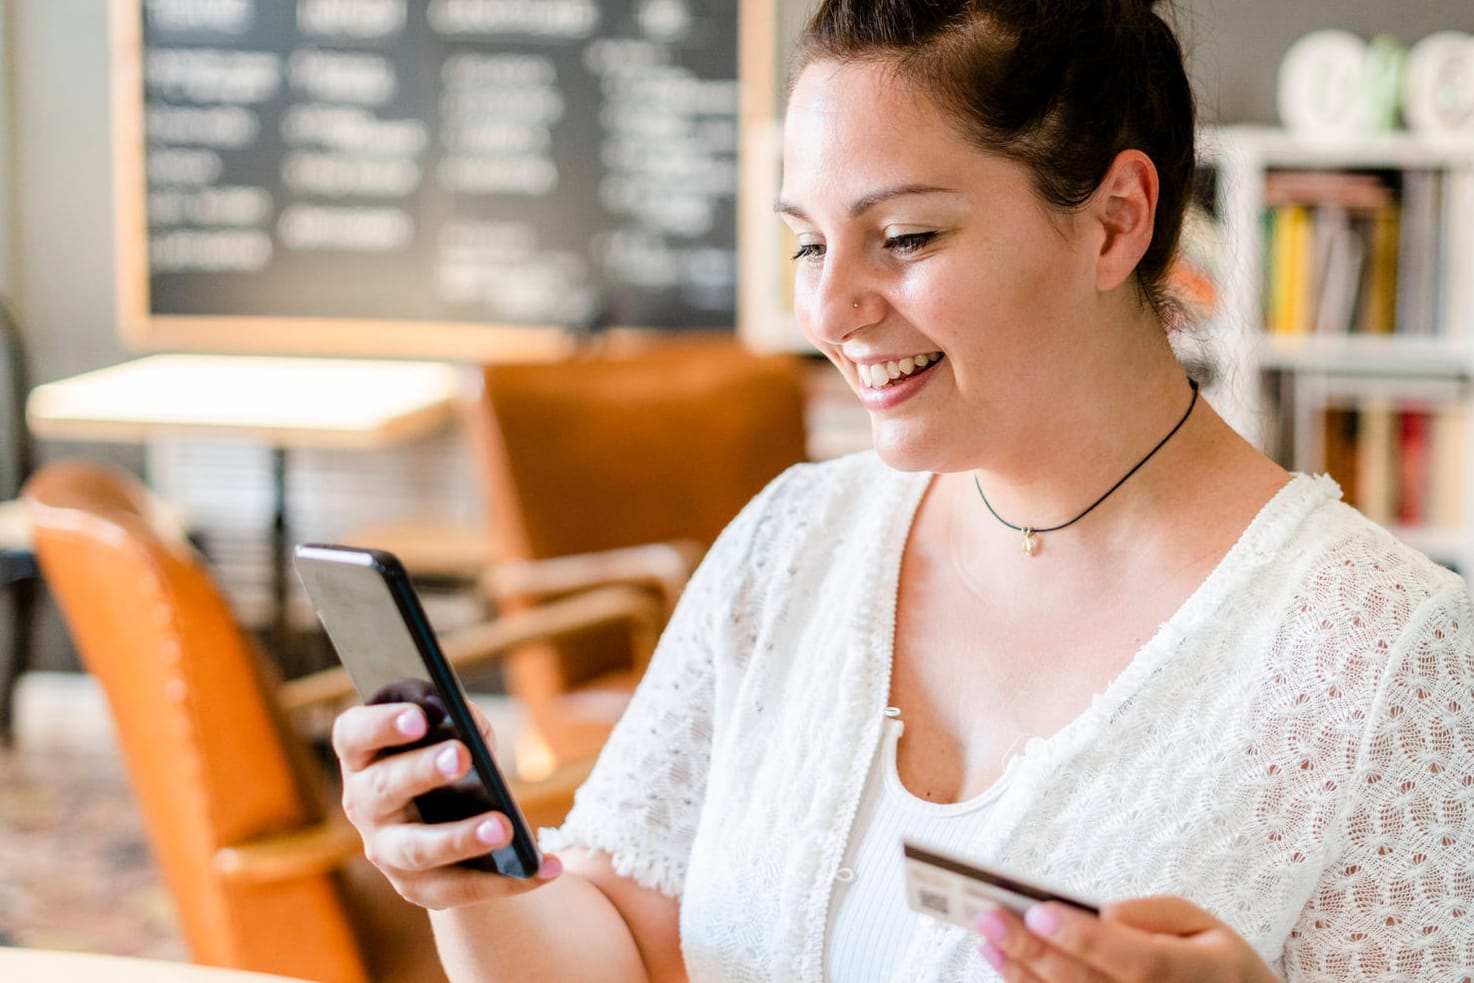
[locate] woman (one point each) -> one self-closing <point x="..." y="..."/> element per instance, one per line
<point x="1132" y="656"/>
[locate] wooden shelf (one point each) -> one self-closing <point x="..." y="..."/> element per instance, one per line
<point x="1278" y="148"/>
<point x="1395" y="355"/>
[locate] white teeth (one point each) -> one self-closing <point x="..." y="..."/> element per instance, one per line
<point x="878" y="375"/>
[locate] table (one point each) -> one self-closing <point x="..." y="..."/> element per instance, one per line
<point x="284" y="402"/>
<point x="51" y="966"/>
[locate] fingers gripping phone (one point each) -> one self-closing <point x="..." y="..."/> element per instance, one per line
<point x="374" y="619"/>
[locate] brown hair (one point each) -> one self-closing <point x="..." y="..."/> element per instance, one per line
<point x="1060" y="86"/>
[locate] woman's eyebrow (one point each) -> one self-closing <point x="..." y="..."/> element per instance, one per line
<point x="864" y="204"/>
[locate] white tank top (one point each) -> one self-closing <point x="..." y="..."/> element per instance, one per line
<point x="870" y="923"/>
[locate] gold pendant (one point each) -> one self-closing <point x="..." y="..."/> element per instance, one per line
<point x="1029" y="542"/>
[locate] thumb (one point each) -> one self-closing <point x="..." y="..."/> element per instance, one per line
<point x="1163" y="915"/>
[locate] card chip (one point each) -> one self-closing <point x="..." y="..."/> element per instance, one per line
<point x="933" y="901"/>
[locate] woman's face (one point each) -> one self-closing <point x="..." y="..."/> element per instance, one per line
<point x="918" y="250"/>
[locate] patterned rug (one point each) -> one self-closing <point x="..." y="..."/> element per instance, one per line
<point x="75" y="871"/>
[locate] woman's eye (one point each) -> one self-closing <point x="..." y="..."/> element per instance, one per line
<point x="809" y="250"/>
<point x="910" y="242"/>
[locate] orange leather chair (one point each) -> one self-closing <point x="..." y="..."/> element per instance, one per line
<point x="229" y="793"/>
<point x="619" y="467"/>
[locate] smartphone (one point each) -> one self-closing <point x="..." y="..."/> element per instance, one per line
<point x="375" y="621"/>
<point x="957" y="891"/>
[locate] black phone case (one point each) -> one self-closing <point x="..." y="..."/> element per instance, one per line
<point x="329" y="573"/>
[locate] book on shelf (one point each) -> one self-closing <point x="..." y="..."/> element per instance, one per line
<point x="1338" y="454"/>
<point x="1289" y="256"/>
<point x="1384" y="252"/>
<point x="1400" y="463"/>
<point x="1377" y="313"/>
<point x="1377" y="453"/>
<point x="1418" y="253"/>
<point x="1456" y="271"/>
<point x="1448" y="450"/>
<point x="1340" y="251"/>
<point x="1413" y="466"/>
<point x="1331" y="253"/>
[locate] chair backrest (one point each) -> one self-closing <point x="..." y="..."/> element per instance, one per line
<point x="207" y="756"/>
<point x="604" y="452"/>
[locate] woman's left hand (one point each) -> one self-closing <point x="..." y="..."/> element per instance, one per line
<point x="1157" y="939"/>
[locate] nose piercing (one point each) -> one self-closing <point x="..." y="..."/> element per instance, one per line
<point x="856" y="305"/>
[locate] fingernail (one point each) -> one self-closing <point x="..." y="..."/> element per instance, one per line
<point x="1041" y="920"/>
<point x="410" y="723"/>
<point x="448" y="761"/>
<point x="994" y="957"/>
<point x="491" y="831"/>
<point x="550" y="869"/>
<point x="992" y="926"/>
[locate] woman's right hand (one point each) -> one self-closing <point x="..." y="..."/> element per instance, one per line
<point x="378" y="792"/>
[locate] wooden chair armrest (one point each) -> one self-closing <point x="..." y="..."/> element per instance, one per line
<point x="662" y="567"/>
<point x="332" y="688"/>
<point x="311" y="850"/>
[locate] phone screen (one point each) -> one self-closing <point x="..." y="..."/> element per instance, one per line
<point x="375" y="621"/>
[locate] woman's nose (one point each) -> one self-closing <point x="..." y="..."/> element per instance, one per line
<point x="841" y="302"/>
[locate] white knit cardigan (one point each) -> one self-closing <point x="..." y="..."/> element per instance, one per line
<point x="1293" y="750"/>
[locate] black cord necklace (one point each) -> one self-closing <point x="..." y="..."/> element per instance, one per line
<point x="1030" y="533"/>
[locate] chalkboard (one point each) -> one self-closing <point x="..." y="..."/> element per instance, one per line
<point x="424" y="177"/>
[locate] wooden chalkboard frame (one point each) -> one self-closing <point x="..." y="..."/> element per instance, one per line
<point x="142" y="329"/>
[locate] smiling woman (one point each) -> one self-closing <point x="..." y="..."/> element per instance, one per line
<point x="1208" y="693"/>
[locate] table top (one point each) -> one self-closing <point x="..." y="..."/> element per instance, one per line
<point x="288" y="402"/>
<point x="51" y="966"/>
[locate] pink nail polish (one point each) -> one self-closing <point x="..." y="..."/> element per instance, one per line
<point x="550" y="869"/>
<point x="994" y="957"/>
<point x="491" y="831"/>
<point x="992" y="926"/>
<point x="448" y="761"/>
<point x="1042" y="921"/>
<point x="410" y="723"/>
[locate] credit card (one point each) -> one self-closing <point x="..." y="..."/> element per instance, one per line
<point x="957" y="892"/>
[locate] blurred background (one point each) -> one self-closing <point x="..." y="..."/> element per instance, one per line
<point x="1328" y="271"/>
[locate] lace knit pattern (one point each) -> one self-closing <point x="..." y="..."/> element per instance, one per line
<point x="1294" y="750"/>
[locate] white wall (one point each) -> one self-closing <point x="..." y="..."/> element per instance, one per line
<point x="59" y="204"/>
<point x="1234" y="46"/>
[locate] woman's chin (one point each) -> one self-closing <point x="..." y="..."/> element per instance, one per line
<point x="902" y="448"/>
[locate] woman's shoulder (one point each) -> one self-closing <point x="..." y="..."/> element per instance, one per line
<point x="1346" y="593"/>
<point x="1361" y="559"/>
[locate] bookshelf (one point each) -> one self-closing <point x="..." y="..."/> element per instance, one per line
<point x="1347" y="318"/>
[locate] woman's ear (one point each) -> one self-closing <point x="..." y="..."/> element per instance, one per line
<point x="1125" y="205"/>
